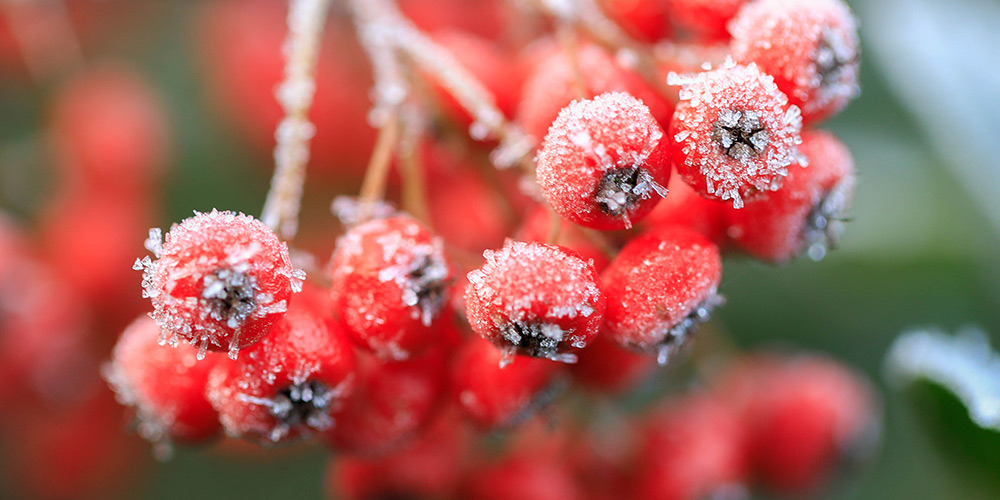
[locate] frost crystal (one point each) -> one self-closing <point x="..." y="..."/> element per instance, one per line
<point x="303" y="406"/>
<point x="678" y="335"/>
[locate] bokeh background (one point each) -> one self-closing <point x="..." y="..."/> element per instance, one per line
<point x="922" y="248"/>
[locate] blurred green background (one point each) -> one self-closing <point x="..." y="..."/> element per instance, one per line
<point x="921" y="250"/>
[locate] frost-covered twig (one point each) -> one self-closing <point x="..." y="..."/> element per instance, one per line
<point x="295" y="94"/>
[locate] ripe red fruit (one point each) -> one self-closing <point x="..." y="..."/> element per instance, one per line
<point x="810" y="48"/>
<point x="705" y="19"/>
<point x="552" y="84"/>
<point x="733" y="133"/>
<point x="390" y="283"/>
<point x="604" y="162"/>
<point x="605" y="366"/>
<point x="537" y="226"/>
<point x="495" y="395"/>
<point x="392" y="402"/>
<point x="659" y="288"/>
<point x="289" y="384"/>
<point x="465" y="209"/>
<point x="535" y="299"/>
<point x="807" y="415"/>
<point x="685" y="207"/>
<point x="221" y="279"/>
<point x="109" y="131"/>
<point x="806" y="214"/>
<point x="165" y="386"/>
<point x="646" y="20"/>
<point x="692" y="449"/>
<point x="527" y="474"/>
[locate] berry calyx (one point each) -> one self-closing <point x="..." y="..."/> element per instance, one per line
<point x="165" y="386"/>
<point x="810" y="48"/>
<point x="535" y="299"/>
<point x="289" y="384"/>
<point x="660" y="288"/>
<point x="733" y="133"/>
<point x="390" y="283"/>
<point x="220" y="281"/>
<point x="603" y="162"/>
<point x="806" y="215"/>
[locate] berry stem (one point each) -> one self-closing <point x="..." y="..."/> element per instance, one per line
<point x="295" y="94"/>
<point x="373" y="186"/>
<point x="414" y="196"/>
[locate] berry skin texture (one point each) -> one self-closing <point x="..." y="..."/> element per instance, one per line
<point x="809" y="47"/>
<point x="288" y="385"/>
<point x="390" y="283"/>
<point x="551" y="84"/>
<point x="535" y="299"/>
<point x="692" y="449"/>
<point x="166" y="386"/>
<point x="494" y="395"/>
<point x="604" y="162"/>
<point x="734" y="134"/>
<point x="221" y="279"/>
<point x="659" y="288"/>
<point x="806" y="214"/>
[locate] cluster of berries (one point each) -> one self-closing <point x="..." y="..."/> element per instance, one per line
<point x="596" y="268"/>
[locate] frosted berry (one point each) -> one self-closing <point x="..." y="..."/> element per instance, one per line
<point x="552" y="84"/>
<point x="807" y="214"/>
<point x="705" y="20"/>
<point x="604" y="162"/>
<point x="734" y="134"/>
<point x="392" y="401"/>
<point x="659" y="288"/>
<point x="289" y="384"/>
<point x="390" y="283"/>
<point x="221" y="279"/>
<point x="495" y="395"/>
<point x="165" y="386"/>
<point x="809" y="47"/>
<point x="694" y="448"/>
<point x="535" y="299"/>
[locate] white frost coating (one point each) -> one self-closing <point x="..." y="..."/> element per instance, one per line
<point x="351" y="210"/>
<point x="295" y="95"/>
<point x="965" y="364"/>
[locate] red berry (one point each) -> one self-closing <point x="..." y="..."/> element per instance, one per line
<point x="535" y="299"/>
<point x="552" y="84"/>
<point x="705" y="19"/>
<point x="537" y="226"/>
<point x="733" y="133"/>
<point x="604" y="162"/>
<point x="692" y="449"/>
<point x="659" y="288"/>
<point x="810" y="48"/>
<point x="806" y="214"/>
<point x="488" y="64"/>
<point x="110" y="130"/>
<point x="392" y="401"/>
<point x="166" y="386"/>
<point x="390" y="285"/>
<point x="485" y="18"/>
<point x="647" y="20"/>
<point x="685" y="207"/>
<point x="495" y="395"/>
<point x="220" y="281"/>
<point x="807" y="416"/>
<point x="465" y="209"/>
<point x="527" y="474"/>
<point x="290" y="383"/>
<point x="605" y="366"/>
